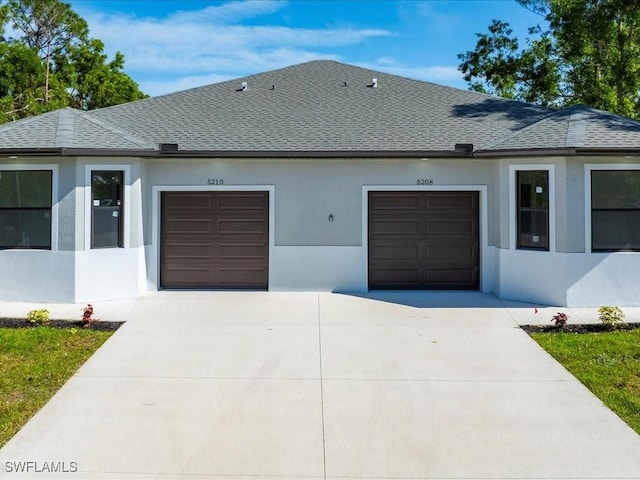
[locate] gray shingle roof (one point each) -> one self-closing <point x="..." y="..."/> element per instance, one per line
<point x="68" y="128"/>
<point x="322" y="106"/>
<point x="574" y="127"/>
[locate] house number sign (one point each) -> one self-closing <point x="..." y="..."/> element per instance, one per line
<point x="424" y="181"/>
<point x="215" y="181"/>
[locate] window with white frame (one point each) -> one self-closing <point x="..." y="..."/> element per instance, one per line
<point x="107" y="208"/>
<point x="532" y="209"/>
<point x="25" y="209"/>
<point x="615" y="210"/>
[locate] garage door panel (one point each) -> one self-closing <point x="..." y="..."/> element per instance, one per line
<point x="190" y="201"/>
<point x="449" y="226"/>
<point x="240" y="277"/>
<point x="395" y="201"/>
<point x="214" y="240"/>
<point x="188" y="226"/>
<point x="249" y="202"/>
<point x="399" y="252"/>
<point x="431" y="244"/>
<point x="248" y="251"/>
<point x="256" y="226"/>
<point x="396" y="276"/>
<point x="451" y="277"/>
<point x="396" y="227"/>
<point x="451" y="255"/>
<point x="184" y="275"/>
<point x="175" y="251"/>
<point x="450" y="201"/>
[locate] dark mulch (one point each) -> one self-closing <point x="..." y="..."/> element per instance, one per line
<point x="95" y="325"/>
<point x="578" y="328"/>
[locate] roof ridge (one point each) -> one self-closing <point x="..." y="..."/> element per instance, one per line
<point x="65" y="128"/>
<point x="522" y="130"/>
<point x="122" y="133"/>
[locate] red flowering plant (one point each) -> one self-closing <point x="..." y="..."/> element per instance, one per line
<point x="87" y="315"/>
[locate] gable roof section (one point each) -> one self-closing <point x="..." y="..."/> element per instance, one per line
<point x="575" y="128"/>
<point x="322" y="108"/>
<point x="68" y="129"/>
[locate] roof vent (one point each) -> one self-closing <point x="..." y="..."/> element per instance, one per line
<point x="464" y="147"/>
<point x="168" y="147"/>
<point x="373" y="84"/>
<point x="243" y="88"/>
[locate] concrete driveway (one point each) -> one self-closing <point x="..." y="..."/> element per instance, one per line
<point x="232" y="386"/>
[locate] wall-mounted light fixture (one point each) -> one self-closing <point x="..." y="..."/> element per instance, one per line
<point x="331" y="217"/>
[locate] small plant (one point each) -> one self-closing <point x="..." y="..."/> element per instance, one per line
<point x="87" y="315"/>
<point x="38" y="317"/>
<point x="560" y="319"/>
<point x="611" y="316"/>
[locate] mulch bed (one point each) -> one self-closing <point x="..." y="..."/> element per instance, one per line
<point x="578" y="328"/>
<point x="95" y="325"/>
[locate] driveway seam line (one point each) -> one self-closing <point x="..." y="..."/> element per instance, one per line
<point x="324" y="450"/>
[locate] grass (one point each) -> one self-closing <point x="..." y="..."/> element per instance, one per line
<point x="34" y="364"/>
<point x="607" y="363"/>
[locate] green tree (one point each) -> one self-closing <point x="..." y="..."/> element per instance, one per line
<point x="52" y="62"/>
<point x="589" y="54"/>
<point x="50" y="28"/>
<point x="93" y="81"/>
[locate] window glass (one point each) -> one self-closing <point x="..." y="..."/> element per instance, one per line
<point x="106" y="209"/>
<point x="615" y="210"/>
<point x="25" y="189"/>
<point x="533" y="209"/>
<point x="615" y="189"/>
<point x="25" y="208"/>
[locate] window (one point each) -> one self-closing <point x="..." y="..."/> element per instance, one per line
<point x="25" y="209"/>
<point x="107" y="210"/>
<point x="615" y="210"/>
<point x="533" y="209"/>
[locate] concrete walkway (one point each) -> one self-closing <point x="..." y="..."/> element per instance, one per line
<point x="231" y="385"/>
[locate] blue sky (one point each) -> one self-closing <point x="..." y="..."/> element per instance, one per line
<point x="173" y="45"/>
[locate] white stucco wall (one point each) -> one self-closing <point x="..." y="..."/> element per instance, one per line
<point x="309" y="252"/>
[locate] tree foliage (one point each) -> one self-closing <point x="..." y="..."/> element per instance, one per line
<point x="51" y="62"/>
<point x="589" y="54"/>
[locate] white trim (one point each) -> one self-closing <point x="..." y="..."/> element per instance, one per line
<point x="156" y="190"/>
<point x="54" y="194"/>
<point x="588" y="168"/>
<point x="484" y="236"/>
<point x="126" y="169"/>
<point x="513" y="224"/>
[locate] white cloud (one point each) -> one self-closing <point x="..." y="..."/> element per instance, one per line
<point x="211" y="40"/>
<point x="228" y="12"/>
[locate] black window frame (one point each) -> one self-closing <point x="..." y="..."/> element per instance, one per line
<point x="594" y="209"/>
<point x="108" y="208"/>
<point x="47" y="210"/>
<point x="520" y="210"/>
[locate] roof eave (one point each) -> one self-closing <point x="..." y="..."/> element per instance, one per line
<point x="564" y="151"/>
<point x="318" y="153"/>
<point x="69" y="152"/>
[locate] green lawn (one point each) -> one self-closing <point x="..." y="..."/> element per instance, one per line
<point x="607" y="363"/>
<point x="34" y="364"/>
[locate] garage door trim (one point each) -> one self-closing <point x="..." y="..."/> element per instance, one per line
<point x="483" y="234"/>
<point x="156" y="191"/>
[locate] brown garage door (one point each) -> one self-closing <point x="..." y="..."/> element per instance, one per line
<point x="423" y="240"/>
<point x="215" y="240"/>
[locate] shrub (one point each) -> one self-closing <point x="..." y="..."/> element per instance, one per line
<point x="611" y="316"/>
<point x="560" y="318"/>
<point x="38" y="317"/>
